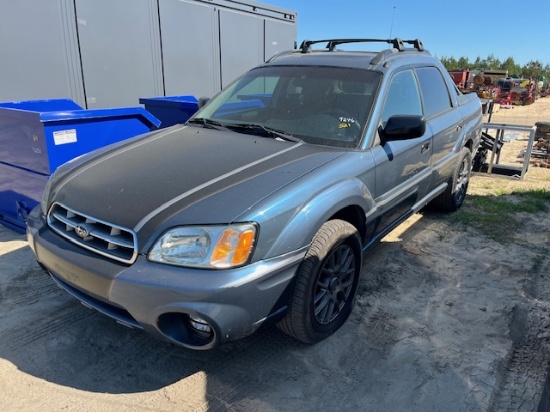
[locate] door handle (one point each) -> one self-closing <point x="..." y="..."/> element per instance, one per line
<point x="424" y="147"/>
<point x="459" y="128"/>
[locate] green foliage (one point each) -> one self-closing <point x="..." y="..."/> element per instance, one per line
<point x="533" y="68"/>
<point x="498" y="216"/>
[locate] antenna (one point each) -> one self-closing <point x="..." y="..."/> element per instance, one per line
<point x="392" y="17"/>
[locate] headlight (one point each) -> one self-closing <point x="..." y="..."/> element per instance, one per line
<point x="216" y="247"/>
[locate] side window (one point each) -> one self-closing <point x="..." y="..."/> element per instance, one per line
<point x="403" y="96"/>
<point x="434" y="91"/>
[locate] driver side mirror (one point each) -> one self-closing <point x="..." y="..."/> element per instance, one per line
<point x="403" y="127"/>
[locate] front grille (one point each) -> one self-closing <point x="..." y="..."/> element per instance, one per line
<point x="106" y="239"/>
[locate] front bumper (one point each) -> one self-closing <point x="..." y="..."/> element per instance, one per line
<point x="161" y="298"/>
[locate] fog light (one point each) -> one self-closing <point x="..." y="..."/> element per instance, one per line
<point x="200" y="326"/>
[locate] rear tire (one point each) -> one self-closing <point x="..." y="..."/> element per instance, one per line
<point x="326" y="284"/>
<point x="455" y="193"/>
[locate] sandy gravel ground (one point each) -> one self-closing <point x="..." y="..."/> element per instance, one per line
<point x="446" y="320"/>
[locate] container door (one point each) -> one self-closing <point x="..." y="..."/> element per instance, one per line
<point x="120" y="50"/>
<point x="39" y="51"/>
<point x="241" y="43"/>
<point x="279" y="36"/>
<point x="190" y="48"/>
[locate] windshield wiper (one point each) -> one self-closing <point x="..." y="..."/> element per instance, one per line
<point x="258" y="129"/>
<point x="208" y="123"/>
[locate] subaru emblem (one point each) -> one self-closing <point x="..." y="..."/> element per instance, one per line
<point x="82" y="231"/>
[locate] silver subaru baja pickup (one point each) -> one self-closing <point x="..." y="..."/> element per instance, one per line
<point x="261" y="206"/>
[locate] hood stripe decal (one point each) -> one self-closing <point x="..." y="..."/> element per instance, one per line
<point x="166" y="205"/>
<point x="119" y="150"/>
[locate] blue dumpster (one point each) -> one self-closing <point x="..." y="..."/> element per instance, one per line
<point x="171" y="110"/>
<point x="37" y="136"/>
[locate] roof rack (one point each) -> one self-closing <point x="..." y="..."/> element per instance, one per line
<point x="397" y="43"/>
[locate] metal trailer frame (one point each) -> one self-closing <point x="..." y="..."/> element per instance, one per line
<point x="501" y="128"/>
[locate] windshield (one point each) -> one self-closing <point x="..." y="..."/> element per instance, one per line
<point x="319" y="105"/>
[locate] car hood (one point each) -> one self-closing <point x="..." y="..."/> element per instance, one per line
<point x="184" y="175"/>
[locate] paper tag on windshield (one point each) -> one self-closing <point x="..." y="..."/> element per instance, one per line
<point x="64" y="136"/>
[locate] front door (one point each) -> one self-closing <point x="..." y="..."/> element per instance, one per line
<point x="403" y="170"/>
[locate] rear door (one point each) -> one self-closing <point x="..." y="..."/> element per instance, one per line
<point x="444" y="120"/>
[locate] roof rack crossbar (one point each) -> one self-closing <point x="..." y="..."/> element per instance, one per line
<point x="417" y="44"/>
<point x="397" y="43"/>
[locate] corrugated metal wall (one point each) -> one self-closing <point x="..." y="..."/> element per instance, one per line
<point x="104" y="53"/>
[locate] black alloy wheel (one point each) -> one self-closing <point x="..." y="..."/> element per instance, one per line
<point x="326" y="283"/>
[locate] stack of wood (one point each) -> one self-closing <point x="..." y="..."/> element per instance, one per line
<point x="541" y="152"/>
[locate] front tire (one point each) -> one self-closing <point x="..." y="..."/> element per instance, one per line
<point x="326" y="284"/>
<point x="455" y="193"/>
